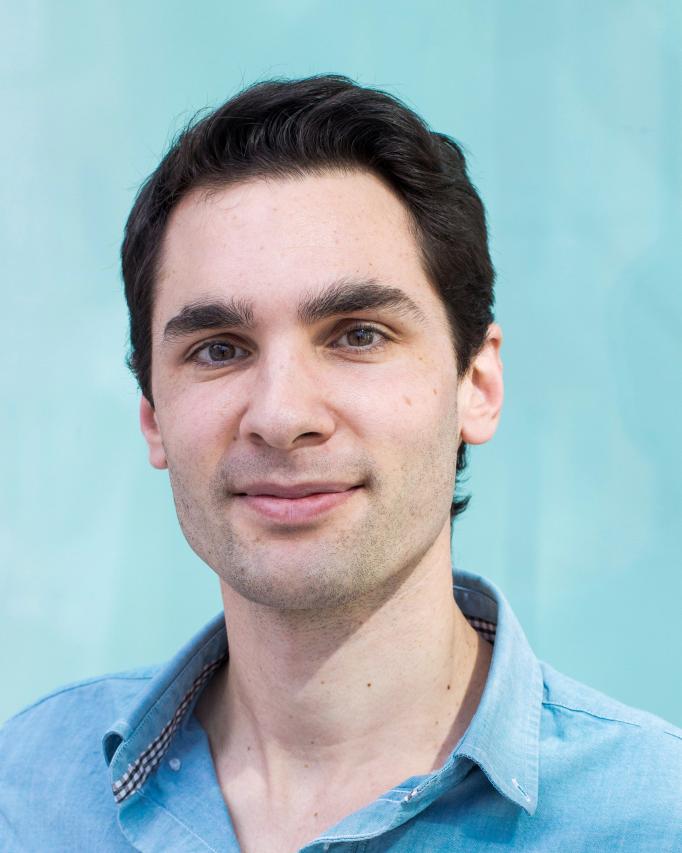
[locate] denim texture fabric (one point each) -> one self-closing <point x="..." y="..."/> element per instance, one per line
<point x="120" y="763"/>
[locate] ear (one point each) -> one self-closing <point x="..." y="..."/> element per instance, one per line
<point x="482" y="391"/>
<point x="152" y="434"/>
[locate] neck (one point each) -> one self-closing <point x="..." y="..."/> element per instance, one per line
<point x="331" y="692"/>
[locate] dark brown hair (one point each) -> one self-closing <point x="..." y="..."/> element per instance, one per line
<point x="280" y="128"/>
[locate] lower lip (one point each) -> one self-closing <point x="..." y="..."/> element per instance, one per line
<point x="296" y="510"/>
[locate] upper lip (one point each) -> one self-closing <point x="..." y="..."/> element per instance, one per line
<point x="293" y="490"/>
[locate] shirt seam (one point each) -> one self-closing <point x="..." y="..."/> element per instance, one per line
<point x="77" y="686"/>
<point x="643" y="726"/>
<point x="594" y="714"/>
<point x="672" y="734"/>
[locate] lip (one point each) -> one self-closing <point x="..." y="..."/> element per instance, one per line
<point x="297" y="510"/>
<point x="293" y="490"/>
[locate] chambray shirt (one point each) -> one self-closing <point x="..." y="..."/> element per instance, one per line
<point x="120" y="762"/>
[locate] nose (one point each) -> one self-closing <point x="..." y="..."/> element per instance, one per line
<point x="286" y="408"/>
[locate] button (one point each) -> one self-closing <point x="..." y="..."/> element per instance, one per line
<point x="174" y="764"/>
<point x="326" y="846"/>
<point x="515" y="783"/>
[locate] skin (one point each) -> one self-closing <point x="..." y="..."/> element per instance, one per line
<point x="351" y="667"/>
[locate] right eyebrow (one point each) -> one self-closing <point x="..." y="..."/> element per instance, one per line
<point x="203" y="316"/>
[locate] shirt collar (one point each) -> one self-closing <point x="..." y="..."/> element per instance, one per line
<point x="135" y="744"/>
<point x="502" y="738"/>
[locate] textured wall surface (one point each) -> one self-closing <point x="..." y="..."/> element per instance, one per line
<point x="571" y="115"/>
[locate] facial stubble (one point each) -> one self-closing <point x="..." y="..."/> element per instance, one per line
<point x="357" y="553"/>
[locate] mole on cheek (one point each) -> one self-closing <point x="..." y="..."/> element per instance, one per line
<point x="407" y="400"/>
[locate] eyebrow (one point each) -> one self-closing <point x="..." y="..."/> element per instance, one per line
<point x="344" y="296"/>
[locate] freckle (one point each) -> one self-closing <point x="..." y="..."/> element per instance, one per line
<point x="436" y="722"/>
<point x="314" y="814"/>
<point x="407" y="400"/>
<point x="248" y="749"/>
<point x="305" y="765"/>
<point x="369" y="683"/>
<point x="448" y="686"/>
<point x="322" y="682"/>
<point x="435" y="392"/>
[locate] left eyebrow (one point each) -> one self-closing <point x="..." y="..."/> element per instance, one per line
<point x="348" y="295"/>
<point x="344" y="296"/>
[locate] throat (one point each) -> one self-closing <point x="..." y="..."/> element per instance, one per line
<point x="387" y="723"/>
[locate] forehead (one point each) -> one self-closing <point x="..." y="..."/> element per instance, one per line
<point x="271" y="240"/>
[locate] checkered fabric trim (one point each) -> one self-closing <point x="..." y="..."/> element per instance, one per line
<point x="486" y="629"/>
<point x="136" y="774"/>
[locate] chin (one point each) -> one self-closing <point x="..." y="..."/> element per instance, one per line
<point x="298" y="591"/>
<point x="323" y="576"/>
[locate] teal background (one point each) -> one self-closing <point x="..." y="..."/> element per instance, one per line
<point x="571" y="116"/>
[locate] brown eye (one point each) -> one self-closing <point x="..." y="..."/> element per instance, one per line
<point x="363" y="338"/>
<point x="216" y="353"/>
<point x="219" y="352"/>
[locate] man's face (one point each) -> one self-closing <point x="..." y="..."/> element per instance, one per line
<point x="339" y="396"/>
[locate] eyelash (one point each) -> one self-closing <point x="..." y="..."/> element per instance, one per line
<point x="368" y="327"/>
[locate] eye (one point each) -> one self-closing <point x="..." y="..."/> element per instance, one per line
<point x="215" y="353"/>
<point x="360" y="338"/>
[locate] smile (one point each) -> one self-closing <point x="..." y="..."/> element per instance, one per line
<point x="296" y="510"/>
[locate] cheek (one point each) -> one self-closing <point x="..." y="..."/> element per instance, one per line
<point x="195" y="433"/>
<point x="414" y="413"/>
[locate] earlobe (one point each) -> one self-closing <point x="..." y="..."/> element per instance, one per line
<point x="483" y="391"/>
<point x="150" y="429"/>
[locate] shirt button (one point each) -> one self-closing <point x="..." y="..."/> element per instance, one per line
<point x="515" y="783"/>
<point x="174" y="764"/>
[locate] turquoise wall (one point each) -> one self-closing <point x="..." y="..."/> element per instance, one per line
<point x="572" y="116"/>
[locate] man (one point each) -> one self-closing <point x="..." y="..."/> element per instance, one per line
<point x="310" y="295"/>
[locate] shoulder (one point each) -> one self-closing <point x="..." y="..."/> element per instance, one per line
<point x="90" y="701"/>
<point x="628" y="760"/>
<point x="585" y="705"/>
<point x="54" y="780"/>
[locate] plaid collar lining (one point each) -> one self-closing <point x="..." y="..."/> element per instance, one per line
<point x="150" y="758"/>
<point x="136" y="774"/>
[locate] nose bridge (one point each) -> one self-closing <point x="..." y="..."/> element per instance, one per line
<point x="285" y="397"/>
<point x="283" y="365"/>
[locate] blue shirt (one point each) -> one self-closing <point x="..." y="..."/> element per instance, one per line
<point x="120" y="762"/>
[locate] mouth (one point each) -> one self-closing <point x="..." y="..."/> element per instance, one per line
<point x="300" y="509"/>
<point x="294" y="490"/>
